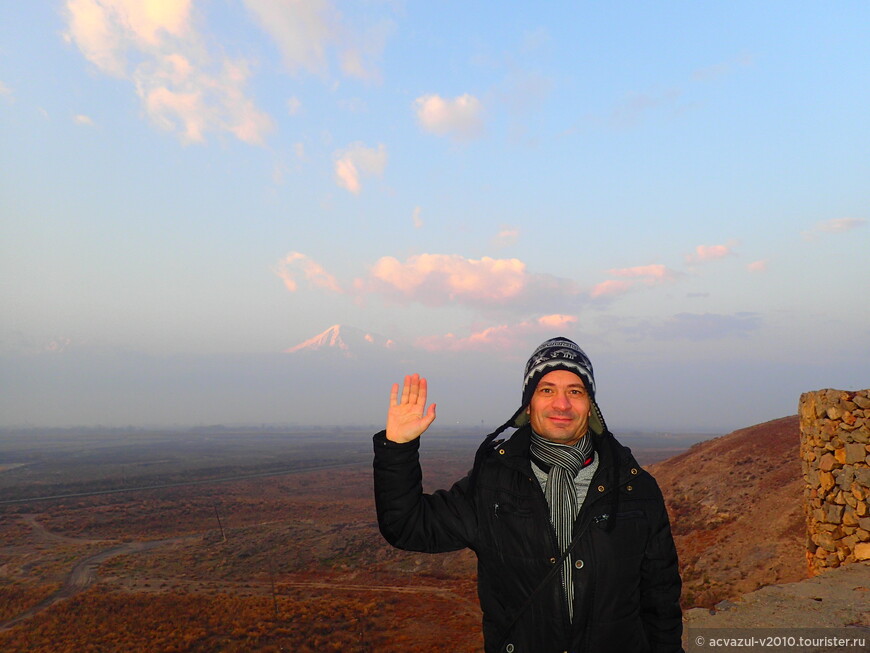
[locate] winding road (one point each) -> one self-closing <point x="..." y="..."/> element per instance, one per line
<point x="84" y="573"/>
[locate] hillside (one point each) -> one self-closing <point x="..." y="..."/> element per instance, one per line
<point x="736" y="506"/>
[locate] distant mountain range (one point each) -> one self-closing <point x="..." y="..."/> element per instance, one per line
<point x="345" y="340"/>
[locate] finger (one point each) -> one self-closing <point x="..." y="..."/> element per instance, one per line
<point x="415" y="389"/>
<point x="406" y="389"/>
<point x="394" y="394"/>
<point x="421" y="395"/>
<point x="429" y="417"/>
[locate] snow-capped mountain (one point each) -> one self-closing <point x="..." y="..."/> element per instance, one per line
<point x="349" y="341"/>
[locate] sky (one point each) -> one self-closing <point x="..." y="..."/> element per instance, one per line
<point x="188" y="188"/>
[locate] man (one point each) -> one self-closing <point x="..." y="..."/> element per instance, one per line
<point x="574" y="548"/>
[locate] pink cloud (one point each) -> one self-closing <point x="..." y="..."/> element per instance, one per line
<point x="295" y="264"/>
<point x="610" y="287"/>
<point x="442" y="278"/>
<point x="757" y="266"/>
<point x="709" y="253"/>
<point x="438" y="279"/>
<point x="656" y="271"/>
<point x="506" y="236"/>
<point x="504" y="337"/>
<point x="185" y="86"/>
<point x="461" y="117"/>
<point x="357" y="161"/>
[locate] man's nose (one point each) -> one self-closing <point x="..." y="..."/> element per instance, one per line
<point x="561" y="401"/>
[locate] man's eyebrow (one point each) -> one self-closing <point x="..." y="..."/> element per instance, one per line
<point x="570" y="385"/>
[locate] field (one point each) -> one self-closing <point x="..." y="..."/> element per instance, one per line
<point x="220" y="539"/>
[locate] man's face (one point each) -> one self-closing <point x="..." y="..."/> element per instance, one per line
<point x="559" y="410"/>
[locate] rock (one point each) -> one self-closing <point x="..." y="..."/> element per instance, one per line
<point x="843" y="478"/>
<point x="827" y="463"/>
<point x="862" y="478"/>
<point x="849" y="517"/>
<point x="825" y="541"/>
<point x="863" y="535"/>
<point x="834" y="514"/>
<point x="834" y="413"/>
<point x="863" y="402"/>
<point x="864" y="523"/>
<point x="853" y="453"/>
<point x="840" y="455"/>
<point x="826" y="481"/>
<point x="862" y="551"/>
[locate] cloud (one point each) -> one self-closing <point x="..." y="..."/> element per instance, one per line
<point x="438" y="279"/>
<point x="834" y="226"/>
<point x="609" y="288"/>
<point x="506" y="236"/>
<point x="415" y="216"/>
<point x="504" y="337"/>
<point x="442" y="278"/>
<point x="461" y="117"/>
<point x="357" y="161"/>
<point x="81" y="119"/>
<point x="757" y="266"/>
<point x="154" y="45"/>
<point x="5" y="91"/>
<point x="295" y="264"/>
<point x="709" y="253"/>
<point x="699" y="326"/>
<point x="294" y="106"/>
<point x="656" y="272"/>
<point x="646" y="274"/>
<point x="305" y="32"/>
<point x="301" y="30"/>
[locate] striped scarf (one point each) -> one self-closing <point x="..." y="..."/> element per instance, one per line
<point x="565" y="462"/>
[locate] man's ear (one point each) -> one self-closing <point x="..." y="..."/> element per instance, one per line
<point x="529" y="409"/>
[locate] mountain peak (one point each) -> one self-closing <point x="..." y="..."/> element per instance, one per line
<point x="347" y="340"/>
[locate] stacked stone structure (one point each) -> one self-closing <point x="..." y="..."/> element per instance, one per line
<point x="835" y="457"/>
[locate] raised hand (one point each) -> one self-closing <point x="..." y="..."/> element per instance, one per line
<point x="408" y="418"/>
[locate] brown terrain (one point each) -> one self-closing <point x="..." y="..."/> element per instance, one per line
<point x="736" y="508"/>
<point x="291" y="560"/>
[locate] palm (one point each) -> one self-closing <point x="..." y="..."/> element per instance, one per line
<point x="407" y="417"/>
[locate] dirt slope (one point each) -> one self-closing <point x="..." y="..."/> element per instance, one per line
<point x="736" y="506"/>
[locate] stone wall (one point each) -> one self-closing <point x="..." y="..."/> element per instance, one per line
<point x="835" y="457"/>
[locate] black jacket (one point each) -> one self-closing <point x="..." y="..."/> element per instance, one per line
<point x="627" y="584"/>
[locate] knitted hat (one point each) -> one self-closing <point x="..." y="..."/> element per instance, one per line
<point x="559" y="354"/>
